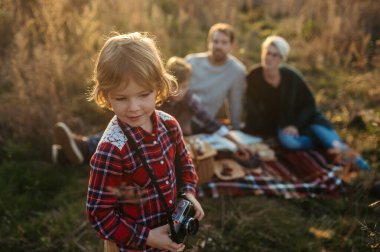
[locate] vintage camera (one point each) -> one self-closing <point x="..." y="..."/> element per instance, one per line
<point x="183" y="220"/>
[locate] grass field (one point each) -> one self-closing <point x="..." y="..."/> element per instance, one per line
<point x="40" y="214"/>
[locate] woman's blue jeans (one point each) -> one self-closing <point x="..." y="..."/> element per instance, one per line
<point x="321" y="136"/>
<point x="326" y="137"/>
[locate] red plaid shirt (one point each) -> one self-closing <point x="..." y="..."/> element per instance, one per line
<point x="117" y="168"/>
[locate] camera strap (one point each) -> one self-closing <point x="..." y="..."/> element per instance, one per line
<point x="155" y="183"/>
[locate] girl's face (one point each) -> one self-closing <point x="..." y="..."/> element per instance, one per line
<point x="133" y="104"/>
<point x="271" y="57"/>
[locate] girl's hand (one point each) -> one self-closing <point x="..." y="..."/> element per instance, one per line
<point x="199" y="214"/>
<point x="159" y="238"/>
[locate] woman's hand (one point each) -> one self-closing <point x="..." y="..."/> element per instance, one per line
<point x="291" y="130"/>
<point x="159" y="238"/>
<point x="199" y="214"/>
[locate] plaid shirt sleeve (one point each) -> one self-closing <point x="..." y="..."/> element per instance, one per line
<point x="186" y="168"/>
<point x="106" y="172"/>
<point x="210" y="124"/>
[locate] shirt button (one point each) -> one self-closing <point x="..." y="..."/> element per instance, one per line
<point x="162" y="162"/>
<point x="154" y="142"/>
<point x="170" y="202"/>
<point x="167" y="182"/>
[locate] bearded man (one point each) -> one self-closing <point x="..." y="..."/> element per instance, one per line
<point x="218" y="77"/>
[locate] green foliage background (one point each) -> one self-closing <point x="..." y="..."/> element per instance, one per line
<point x="47" y="52"/>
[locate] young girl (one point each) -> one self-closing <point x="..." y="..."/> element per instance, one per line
<point x="130" y="81"/>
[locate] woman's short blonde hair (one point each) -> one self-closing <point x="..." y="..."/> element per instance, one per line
<point x="179" y="68"/>
<point x="280" y="43"/>
<point x="132" y="56"/>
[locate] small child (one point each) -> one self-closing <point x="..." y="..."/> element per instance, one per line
<point x="130" y="81"/>
<point x="186" y="107"/>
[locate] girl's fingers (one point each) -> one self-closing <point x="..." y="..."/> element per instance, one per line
<point x="176" y="247"/>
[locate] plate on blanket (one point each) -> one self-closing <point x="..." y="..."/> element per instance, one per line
<point x="228" y="169"/>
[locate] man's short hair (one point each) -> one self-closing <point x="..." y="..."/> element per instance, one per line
<point x="223" y="28"/>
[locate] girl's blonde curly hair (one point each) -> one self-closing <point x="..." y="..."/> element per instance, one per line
<point x="132" y="56"/>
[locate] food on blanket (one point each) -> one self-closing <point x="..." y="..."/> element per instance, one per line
<point x="253" y="160"/>
<point x="228" y="169"/>
<point x="263" y="151"/>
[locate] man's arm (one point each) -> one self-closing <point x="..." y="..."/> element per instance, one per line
<point x="235" y="100"/>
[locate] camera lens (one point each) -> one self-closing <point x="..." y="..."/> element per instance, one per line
<point x="191" y="226"/>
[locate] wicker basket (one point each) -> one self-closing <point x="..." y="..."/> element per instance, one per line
<point x="110" y="246"/>
<point x="204" y="161"/>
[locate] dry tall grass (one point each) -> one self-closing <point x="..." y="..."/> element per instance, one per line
<point x="47" y="64"/>
<point x="344" y="33"/>
<point x="48" y="47"/>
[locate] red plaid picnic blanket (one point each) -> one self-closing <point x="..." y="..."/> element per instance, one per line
<point x="294" y="174"/>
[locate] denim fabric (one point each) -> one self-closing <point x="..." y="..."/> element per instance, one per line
<point x="321" y="136"/>
<point x="295" y="142"/>
<point x="324" y="136"/>
<point x="327" y="137"/>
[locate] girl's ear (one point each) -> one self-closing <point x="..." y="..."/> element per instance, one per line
<point x="108" y="104"/>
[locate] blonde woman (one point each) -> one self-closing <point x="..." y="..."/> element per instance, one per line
<point x="280" y="103"/>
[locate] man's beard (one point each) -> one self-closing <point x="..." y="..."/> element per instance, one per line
<point x="219" y="56"/>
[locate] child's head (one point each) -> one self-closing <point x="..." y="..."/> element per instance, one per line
<point x="130" y="57"/>
<point x="182" y="71"/>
